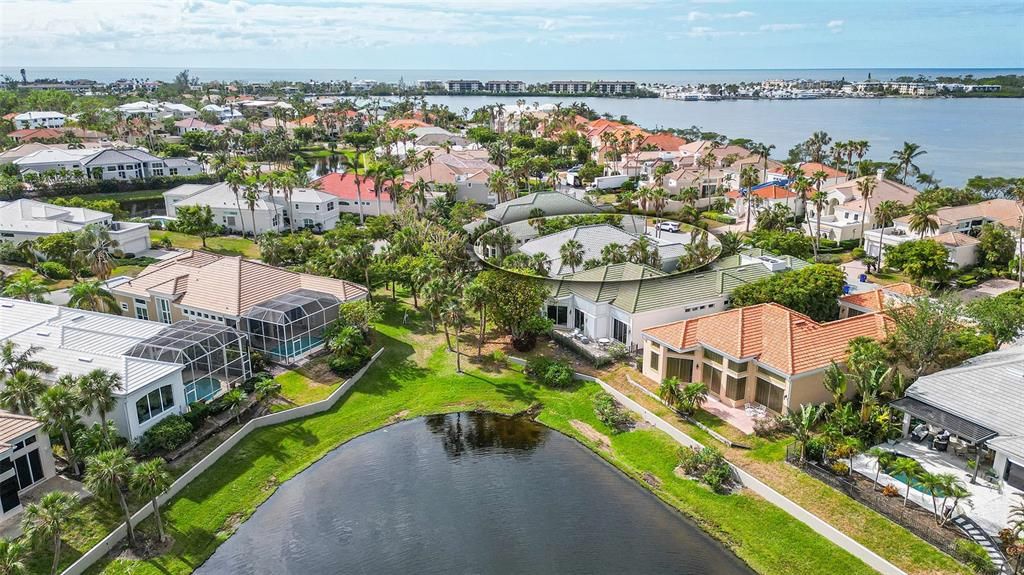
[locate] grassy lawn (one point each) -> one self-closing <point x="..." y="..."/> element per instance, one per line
<point x="416" y="377"/>
<point x="888" y="277"/>
<point x="126" y="196"/>
<point x="713" y="224"/>
<point x="307" y="384"/>
<point x="224" y="245"/>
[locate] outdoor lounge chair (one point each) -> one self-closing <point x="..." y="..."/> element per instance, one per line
<point x="920" y="433"/>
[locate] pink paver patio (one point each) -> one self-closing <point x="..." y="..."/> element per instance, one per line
<point x="734" y="416"/>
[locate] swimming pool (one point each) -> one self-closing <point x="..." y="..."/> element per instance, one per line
<point x="914" y="483"/>
<point x="201" y="389"/>
<point x="296" y="347"/>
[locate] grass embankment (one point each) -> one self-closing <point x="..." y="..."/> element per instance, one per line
<point x="416" y="377"/>
<point x="767" y="461"/>
<point x="137" y="195"/>
<point x="224" y="245"/>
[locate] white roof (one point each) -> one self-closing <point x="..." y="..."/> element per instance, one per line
<point x="594" y="238"/>
<point x="55" y="155"/>
<point x="220" y="196"/>
<point x="139" y="106"/>
<point x="177" y="107"/>
<point x="30" y="216"/>
<point x="76" y="342"/>
<point x="26" y="116"/>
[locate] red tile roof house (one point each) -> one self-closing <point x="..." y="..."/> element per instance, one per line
<point x="767" y="197"/>
<point x="766" y="354"/>
<point x="343" y="187"/>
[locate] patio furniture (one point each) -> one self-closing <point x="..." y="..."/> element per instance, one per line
<point x="941" y="441"/>
<point x="920" y="433"/>
<point x="604" y="341"/>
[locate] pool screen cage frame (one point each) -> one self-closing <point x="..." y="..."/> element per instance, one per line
<point x="206" y="350"/>
<point x="292" y="325"/>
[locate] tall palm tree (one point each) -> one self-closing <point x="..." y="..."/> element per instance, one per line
<point x="1017" y="193"/>
<point x="748" y="179"/>
<point x="801" y="423"/>
<point x="572" y="254"/>
<point x="819" y="199"/>
<point x="93" y="296"/>
<point x="98" y="250"/>
<point x="12" y="361"/>
<point x="815" y="146"/>
<point x="882" y="459"/>
<point x="149" y="479"/>
<point x="454" y="318"/>
<point x="669" y="392"/>
<point x="96" y="390"/>
<point x="419" y="190"/>
<point x="51" y="517"/>
<point x="58" y="408"/>
<point x="923" y="218"/>
<point x="476" y="296"/>
<point x="12" y="554"/>
<point x="21" y="392"/>
<point x="613" y="253"/>
<point x="27" y="286"/>
<point x="865" y="187"/>
<point x="910" y="469"/>
<point x="904" y="158"/>
<point x="353" y="164"/>
<point x="885" y="212"/>
<point x="801" y="185"/>
<point x="108" y="474"/>
<point x="235" y="179"/>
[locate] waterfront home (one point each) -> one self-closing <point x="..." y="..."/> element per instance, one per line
<point x="877" y="300"/>
<point x="709" y="184"/>
<point x="766" y="354"/>
<point x="620" y="301"/>
<point x="342" y="185"/>
<point x="107" y="164"/>
<point x="162" y="367"/>
<point x="22" y="150"/>
<point x="26" y="460"/>
<point x="766" y="197"/>
<point x="27" y="120"/>
<point x="958" y="230"/>
<point x="306" y="208"/>
<point x="285" y="314"/>
<point x="24" y="219"/>
<point x="832" y="175"/>
<point x="82" y="135"/>
<point x="841" y="216"/>
<point x="194" y="124"/>
<point x="224" y="113"/>
<point x="664" y="141"/>
<point x="469" y="173"/>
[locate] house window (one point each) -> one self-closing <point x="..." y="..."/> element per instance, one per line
<point x="737" y="367"/>
<point x="163" y="309"/>
<point x="174" y="171"/>
<point x="713" y="357"/>
<point x="712" y="377"/>
<point x="308" y="223"/>
<point x="679" y="368"/>
<point x="141" y="309"/>
<point x="330" y="206"/>
<point x="735" y="387"/>
<point x="769" y="395"/>
<point x="154" y="403"/>
<point x="619" y="331"/>
<point x="318" y="207"/>
<point x="29" y="469"/>
<point x="111" y="168"/>
<point x="653" y="360"/>
<point x="558" y="314"/>
<point x="158" y="172"/>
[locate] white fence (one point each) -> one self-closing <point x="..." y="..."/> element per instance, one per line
<point x="117" y="535"/>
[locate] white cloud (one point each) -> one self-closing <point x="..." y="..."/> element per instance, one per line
<point x="711" y="1"/>
<point x="709" y="32"/>
<point x="740" y="14"/>
<point x="693" y="16"/>
<point x="781" y="27"/>
<point x="835" y="26"/>
<point x="696" y="15"/>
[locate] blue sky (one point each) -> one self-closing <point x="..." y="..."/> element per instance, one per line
<point x="513" y="34"/>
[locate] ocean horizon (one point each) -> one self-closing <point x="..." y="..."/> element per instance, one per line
<point x="411" y="75"/>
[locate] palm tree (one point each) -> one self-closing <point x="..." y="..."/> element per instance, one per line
<point x="693" y="396"/>
<point x="353" y="163"/>
<point x="96" y="390"/>
<point x="731" y="243"/>
<point x="669" y="392"/>
<point x="885" y="212"/>
<point x="27" y="286"/>
<point x="235" y="180"/>
<point x="815" y="146"/>
<point x="910" y="469"/>
<point x="819" y="199"/>
<point x="801" y="423"/>
<point x="93" y="296"/>
<point x="108" y="475"/>
<point x="905" y="157"/>
<point x="865" y="187"/>
<point x="419" y="190"/>
<point x="476" y="296"/>
<point x="11" y="554"/>
<point x="748" y="179"/>
<point x="454" y="317"/>
<point x="572" y="254"/>
<point x="234" y="399"/>
<point x="923" y="218"/>
<point x="1017" y="193"/>
<point x="835" y="382"/>
<point x="12" y="361"/>
<point x="51" y="517"/>
<point x="801" y="185"/>
<point x="98" y="250"/>
<point x="58" y="408"/>
<point x="149" y="479"/>
<point x="21" y="392"/>
<point x="613" y="253"/>
<point x="882" y="459"/>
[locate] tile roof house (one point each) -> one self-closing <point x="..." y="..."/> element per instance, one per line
<point x="958" y="229"/>
<point x="841" y="217"/>
<point x="76" y="342"/>
<point x="620" y="301"/>
<point x="664" y="141"/>
<point x="207" y="287"/>
<point x="981" y="402"/>
<point x="107" y="164"/>
<point x="25" y="457"/>
<point x="765" y="353"/>
<point x="311" y="209"/>
<point x="833" y="176"/>
<point x="342" y="185"/>
<point x="877" y="300"/>
<point x="468" y="172"/>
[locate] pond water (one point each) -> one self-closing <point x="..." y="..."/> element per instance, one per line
<point x="467" y="493"/>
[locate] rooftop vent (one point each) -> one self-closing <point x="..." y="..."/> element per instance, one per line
<point x="85" y="359"/>
<point x="43" y="333"/>
<point x="773" y="264"/>
<point x="6" y="304"/>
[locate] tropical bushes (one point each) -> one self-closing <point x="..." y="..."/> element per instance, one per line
<point x="348" y="350"/>
<point x="168" y="434"/>
<point x="708" y="465"/>
<point x="610" y="413"/>
<point x="550" y="372"/>
<point x="813" y="291"/>
<point x="54" y="270"/>
<point x="974" y="555"/>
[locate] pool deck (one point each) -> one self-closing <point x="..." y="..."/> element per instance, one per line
<point x="988" y="505"/>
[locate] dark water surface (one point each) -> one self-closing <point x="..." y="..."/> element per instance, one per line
<point x="467" y="493"/>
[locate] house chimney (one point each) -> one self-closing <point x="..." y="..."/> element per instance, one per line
<point x="880" y="174"/>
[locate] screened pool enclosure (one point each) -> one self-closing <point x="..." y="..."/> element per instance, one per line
<point x="292" y="325"/>
<point x="216" y="357"/>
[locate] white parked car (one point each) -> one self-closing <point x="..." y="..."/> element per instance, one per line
<point x="668" y="226"/>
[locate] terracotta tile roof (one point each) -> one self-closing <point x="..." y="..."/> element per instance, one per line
<point x="875" y="300"/>
<point x="776" y="336"/>
<point x="1000" y="210"/>
<point x="407" y="123"/>
<point x="766" y="193"/>
<point x="228" y="285"/>
<point x="343" y="185"/>
<point x="13" y="426"/>
<point x="665" y="141"/>
<point x="809" y="168"/>
<point x="29" y="134"/>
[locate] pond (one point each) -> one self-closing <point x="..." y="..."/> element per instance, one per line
<point x="467" y="493"/>
<point x="323" y="165"/>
